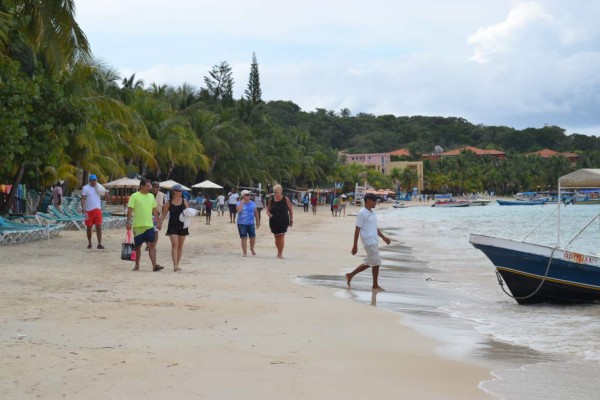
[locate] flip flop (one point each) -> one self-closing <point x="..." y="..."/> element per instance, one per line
<point x="89" y="246"/>
<point x="101" y="247"/>
<point x="158" y="268"/>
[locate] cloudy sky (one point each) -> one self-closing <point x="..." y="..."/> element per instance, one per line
<point x="493" y="62"/>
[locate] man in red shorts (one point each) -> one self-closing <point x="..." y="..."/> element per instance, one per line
<point x="91" y="204"/>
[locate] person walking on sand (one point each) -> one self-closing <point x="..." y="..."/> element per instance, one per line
<point x="281" y="216"/>
<point x="91" y="204"/>
<point x="160" y="201"/>
<point x="220" y="205"/>
<point x="142" y="205"/>
<point x="260" y="204"/>
<point x="342" y="209"/>
<point x="314" y="202"/>
<point x="366" y="228"/>
<point x="245" y="222"/>
<point x="175" y="230"/>
<point x="208" y="207"/>
<point x="232" y="201"/>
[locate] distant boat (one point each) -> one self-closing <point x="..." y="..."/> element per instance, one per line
<point x="397" y="204"/>
<point x="518" y="202"/>
<point x="479" y="202"/>
<point x="451" y="203"/>
<point x="536" y="273"/>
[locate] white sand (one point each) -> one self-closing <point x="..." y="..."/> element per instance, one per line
<point x="78" y="324"/>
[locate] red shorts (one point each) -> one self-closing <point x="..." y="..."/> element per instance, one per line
<point x="93" y="217"/>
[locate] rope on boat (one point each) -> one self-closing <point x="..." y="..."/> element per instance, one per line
<point x="501" y="282"/>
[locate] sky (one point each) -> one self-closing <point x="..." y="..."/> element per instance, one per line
<point x="492" y="62"/>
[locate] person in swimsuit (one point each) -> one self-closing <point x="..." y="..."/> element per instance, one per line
<point x="175" y="230"/>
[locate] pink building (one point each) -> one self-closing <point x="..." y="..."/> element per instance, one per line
<point x="379" y="161"/>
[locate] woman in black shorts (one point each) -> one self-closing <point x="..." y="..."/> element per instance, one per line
<point x="175" y="231"/>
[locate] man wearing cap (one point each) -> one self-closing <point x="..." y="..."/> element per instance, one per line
<point x="91" y="204"/>
<point x="140" y="209"/>
<point x="366" y="228"/>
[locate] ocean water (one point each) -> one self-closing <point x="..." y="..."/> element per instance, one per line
<point x="448" y="290"/>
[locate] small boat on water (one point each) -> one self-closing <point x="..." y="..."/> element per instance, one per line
<point x="536" y="273"/>
<point x="519" y="202"/>
<point x="479" y="202"/>
<point x="451" y="203"/>
<point x="397" y="204"/>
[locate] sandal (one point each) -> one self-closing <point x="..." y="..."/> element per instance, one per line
<point x="157" y="268"/>
<point x="101" y="247"/>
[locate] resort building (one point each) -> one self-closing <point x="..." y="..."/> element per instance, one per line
<point x="547" y="153"/>
<point x="378" y="161"/>
<point x="500" y="155"/>
<point x="382" y="163"/>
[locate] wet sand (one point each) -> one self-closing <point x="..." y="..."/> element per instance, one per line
<point x="77" y="323"/>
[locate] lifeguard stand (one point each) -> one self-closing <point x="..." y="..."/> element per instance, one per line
<point x="359" y="194"/>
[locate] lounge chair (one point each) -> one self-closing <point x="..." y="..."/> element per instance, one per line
<point x="13" y="235"/>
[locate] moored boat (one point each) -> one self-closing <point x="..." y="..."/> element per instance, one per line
<point x="536" y="273"/>
<point x="451" y="203"/>
<point x="518" y="202"/>
<point x="479" y="202"/>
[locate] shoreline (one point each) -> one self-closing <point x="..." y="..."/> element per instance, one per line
<point x="78" y="322"/>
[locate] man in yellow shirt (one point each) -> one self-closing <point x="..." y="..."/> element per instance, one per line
<point x="142" y="204"/>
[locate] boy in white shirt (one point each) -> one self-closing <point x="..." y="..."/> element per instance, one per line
<point x="366" y="228"/>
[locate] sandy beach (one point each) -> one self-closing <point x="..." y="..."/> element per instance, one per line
<point x="79" y="324"/>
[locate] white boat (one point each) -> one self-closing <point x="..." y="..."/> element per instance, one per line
<point x="397" y="204"/>
<point x="479" y="202"/>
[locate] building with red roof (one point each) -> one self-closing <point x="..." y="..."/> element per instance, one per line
<point x="500" y="155"/>
<point x="547" y="153"/>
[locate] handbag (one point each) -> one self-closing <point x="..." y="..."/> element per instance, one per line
<point x="128" y="248"/>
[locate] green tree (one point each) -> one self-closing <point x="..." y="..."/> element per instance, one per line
<point x="253" y="91"/>
<point x="219" y="84"/>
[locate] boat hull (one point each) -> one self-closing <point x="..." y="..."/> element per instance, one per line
<point x="521" y="202"/>
<point x="571" y="278"/>
<point x="451" y="204"/>
<point x="479" y="202"/>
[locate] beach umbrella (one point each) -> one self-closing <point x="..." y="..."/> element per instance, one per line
<point x="170" y="183"/>
<point x="123" y="183"/>
<point x="207" y="185"/>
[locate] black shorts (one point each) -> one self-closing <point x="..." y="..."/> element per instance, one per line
<point x="177" y="231"/>
<point x="232" y="208"/>
<point x="278" y="229"/>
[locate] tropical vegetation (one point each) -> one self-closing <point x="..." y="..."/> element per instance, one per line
<point x="64" y="115"/>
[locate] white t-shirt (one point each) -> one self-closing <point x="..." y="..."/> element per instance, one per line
<point x="92" y="197"/>
<point x="233" y="198"/>
<point x="367" y="222"/>
<point x="220" y="200"/>
<point x="258" y="201"/>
